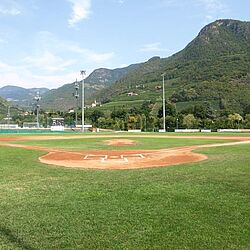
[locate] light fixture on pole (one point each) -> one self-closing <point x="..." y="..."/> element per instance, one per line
<point x="76" y="96"/>
<point x="37" y="98"/>
<point x="83" y="73"/>
<point x="163" y="102"/>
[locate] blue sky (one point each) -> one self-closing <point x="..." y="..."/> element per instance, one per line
<point x="45" y="43"/>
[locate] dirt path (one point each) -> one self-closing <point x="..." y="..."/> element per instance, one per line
<point x="120" y="159"/>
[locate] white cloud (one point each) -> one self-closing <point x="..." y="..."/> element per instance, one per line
<point x="152" y="47"/>
<point x="99" y="57"/>
<point x="24" y="77"/>
<point x="214" y="9"/>
<point x="4" y="67"/>
<point x="90" y="55"/>
<point x="47" y="61"/>
<point x="213" y="6"/>
<point x="81" y="9"/>
<point x="52" y="62"/>
<point x="173" y="3"/>
<point x="209" y="19"/>
<point x="211" y="9"/>
<point x="9" y="7"/>
<point x="48" y="42"/>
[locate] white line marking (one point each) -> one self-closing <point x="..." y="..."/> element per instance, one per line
<point x="142" y="156"/>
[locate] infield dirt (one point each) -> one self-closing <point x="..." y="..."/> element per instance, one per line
<point x="119" y="159"/>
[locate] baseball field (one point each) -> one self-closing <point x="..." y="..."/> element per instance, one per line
<point x="123" y="191"/>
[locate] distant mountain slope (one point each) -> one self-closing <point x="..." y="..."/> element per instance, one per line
<point x="20" y="96"/>
<point x="63" y="98"/>
<point x="3" y="108"/>
<point x="109" y="76"/>
<point x="214" y="67"/>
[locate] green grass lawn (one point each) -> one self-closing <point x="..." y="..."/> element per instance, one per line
<point x="140" y="143"/>
<point x="203" y="205"/>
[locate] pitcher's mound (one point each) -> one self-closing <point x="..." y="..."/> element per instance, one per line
<point x="120" y="142"/>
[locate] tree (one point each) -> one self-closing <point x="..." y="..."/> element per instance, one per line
<point x="203" y="111"/>
<point x="146" y="108"/>
<point x="234" y="120"/>
<point x="189" y="121"/>
<point x="105" y="122"/>
<point x="170" y="110"/>
<point x="95" y="115"/>
<point x="132" y="120"/>
<point x="151" y="123"/>
<point x="247" y="121"/>
<point x="121" y="114"/>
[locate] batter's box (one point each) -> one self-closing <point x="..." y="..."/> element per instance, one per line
<point x="95" y="157"/>
<point x="115" y="158"/>
<point x="134" y="156"/>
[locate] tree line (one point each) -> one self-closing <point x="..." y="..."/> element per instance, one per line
<point x="145" y="117"/>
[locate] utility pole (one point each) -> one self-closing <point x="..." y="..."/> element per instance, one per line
<point x="76" y="96"/>
<point x="163" y="101"/>
<point x="37" y="98"/>
<point x="83" y="73"/>
<point x="8" y="116"/>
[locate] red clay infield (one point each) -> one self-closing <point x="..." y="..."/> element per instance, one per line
<point x="119" y="159"/>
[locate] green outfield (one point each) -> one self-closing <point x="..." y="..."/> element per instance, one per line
<point x="100" y="143"/>
<point x="203" y="205"/>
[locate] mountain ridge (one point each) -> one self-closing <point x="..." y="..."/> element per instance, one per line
<point x="19" y="95"/>
<point x="97" y="80"/>
<point x="214" y="67"/>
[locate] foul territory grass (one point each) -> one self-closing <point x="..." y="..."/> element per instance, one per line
<point x="201" y="205"/>
<point x="101" y="143"/>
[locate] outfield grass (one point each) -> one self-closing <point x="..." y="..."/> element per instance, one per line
<point x="203" y="205"/>
<point x="100" y="143"/>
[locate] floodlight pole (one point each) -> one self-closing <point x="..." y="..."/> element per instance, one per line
<point x="76" y="96"/>
<point x="83" y="72"/>
<point x="37" y="98"/>
<point x="163" y="101"/>
<point x="8" y="116"/>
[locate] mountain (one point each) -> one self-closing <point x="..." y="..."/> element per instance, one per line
<point x="213" y="68"/>
<point x="109" y="76"/>
<point x="21" y="96"/>
<point x="63" y="97"/>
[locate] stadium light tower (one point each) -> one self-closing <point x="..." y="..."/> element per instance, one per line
<point x="76" y="96"/>
<point x="37" y="99"/>
<point x="8" y="116"/>
<point x="163" y="102"/>
<point x="83" y="73"/>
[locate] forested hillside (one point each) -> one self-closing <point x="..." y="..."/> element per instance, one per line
<point x="63" y="97"/>
<point x="213" y="68"/>
<point x="3" y="108"/>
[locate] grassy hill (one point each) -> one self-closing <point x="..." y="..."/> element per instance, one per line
<point x="214" y="67"/>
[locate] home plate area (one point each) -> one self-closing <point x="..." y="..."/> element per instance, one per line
<point x="114" y="158"/>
